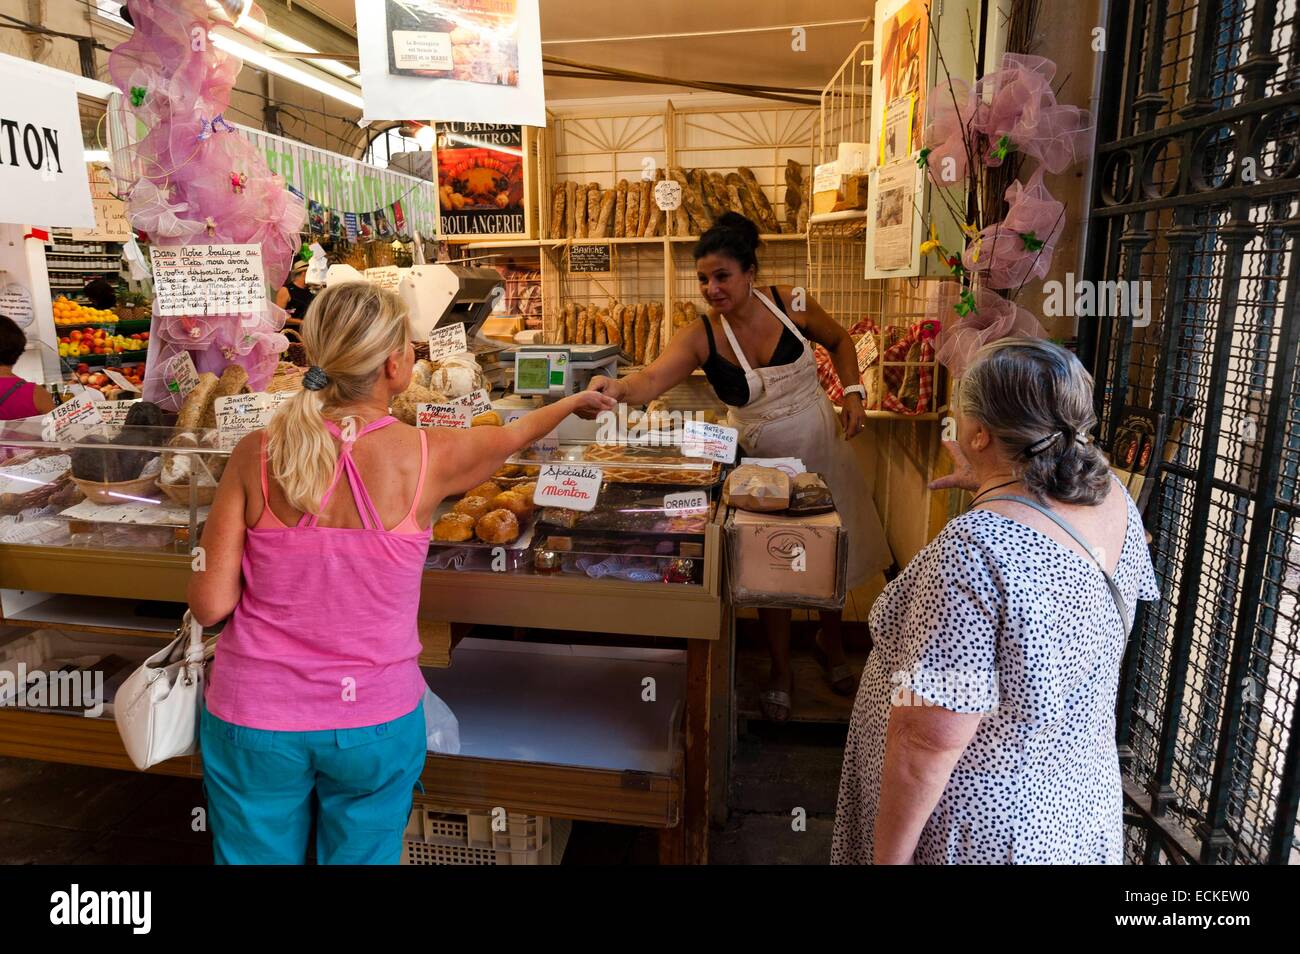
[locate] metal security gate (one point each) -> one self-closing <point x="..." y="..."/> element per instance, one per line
<point x="1197" y="192"/>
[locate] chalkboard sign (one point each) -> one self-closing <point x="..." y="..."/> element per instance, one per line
<point x="589" y="258"/>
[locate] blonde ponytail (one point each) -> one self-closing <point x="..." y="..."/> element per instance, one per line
<point x="349" y="332"/>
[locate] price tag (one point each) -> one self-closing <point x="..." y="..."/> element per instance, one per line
<point x="710" y="441"/>
<point x="687" y="503"/>
<point x="668" y="195"/>
<point x="573" y="487"/>
<point x="243" y="412"/>
<point x="477" y="402"/>
<point x="441" y="415"/>
<point x="115" y="412"/>
<point x="180" y="375"/>
<point x="868" y="352"/>
<point x="446" y="341"/>
<point x="120" y="381"/>
<point x="72" y="420"/>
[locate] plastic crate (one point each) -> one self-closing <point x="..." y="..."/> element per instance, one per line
<point x="438" y="836"/>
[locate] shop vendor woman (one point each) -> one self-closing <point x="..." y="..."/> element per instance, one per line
<point x="755" y="348"/>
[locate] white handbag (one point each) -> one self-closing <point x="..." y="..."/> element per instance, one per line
<point x="157" y="707"/>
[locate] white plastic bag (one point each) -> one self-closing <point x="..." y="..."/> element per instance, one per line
<point x="441" y="730"/>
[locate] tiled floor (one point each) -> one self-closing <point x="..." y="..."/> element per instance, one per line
<point x="65" y="814"/>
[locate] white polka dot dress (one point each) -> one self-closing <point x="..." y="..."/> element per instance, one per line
<point x="996" y="617"/>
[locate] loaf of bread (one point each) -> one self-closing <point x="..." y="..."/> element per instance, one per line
<point x="570" y="323"/>
<point x="620" y="210"/>
<point x="606" y="213"/>
<point x="613" y="328"/>
<point x="733" y="199"/>
<point x="805" y="206"/>
<point x="642" y="332"/>
<point x="570" y="208"/>
<point x="652" y="338"/>
<point x="602" y="330"/>
<point x="580" y="212"/>
<point x="234" y="380"/>
<point x="593" y="209"/>
<point x="749" y="209"/>
<point x="557" y="212"/>
<point x="709" y="186"/>
<point x="633" y="211"/>
<point x="197" y="402"/>
<point x="766" y="215"/>
<point x="691" y="202"/>
<point x="793" y="194"/>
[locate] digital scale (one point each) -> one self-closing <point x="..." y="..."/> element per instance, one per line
<point x="555" y="371"/>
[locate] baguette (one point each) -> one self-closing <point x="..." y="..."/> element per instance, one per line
<point x="197" y="402"/>
<point x="633" y="211"/>
<point x="678" y="319"/>
<point x="767" y="217"/>
<point x="580" y="212"/>
<point x="606" y="210"/>
<point x="644" y="207"/>
<point x="733" y="199"/>
<point x="712" y="197"/>
<point x="234" y="380"/>
<point x="655" y="222"/>
<point x="805" y="207"/>
<point x="570" y="207"/>
<point x="613" y="333"/>
<point x="618" y="314"/>
<point x="593" y="209"/>
<point x="652" y="338"/>
<point x="620" y="210"/>
<point x="602" y="329"/>
<point x="557" y="211"/>
<point x="642" y="333"/>
<point x="702" y="184"/>
<point x="691" y="202"/>
<point x="570" y="323"/>
<point x="746" y="200"/>
<point x="793" y="194"/>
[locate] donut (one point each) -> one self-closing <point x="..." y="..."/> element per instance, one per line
<point x="454" y="528"/>
<point x="474" y="506"/>
<point x="516" y="503"/>
<point x="487" y="490"/>
<point x="497" y="526"/>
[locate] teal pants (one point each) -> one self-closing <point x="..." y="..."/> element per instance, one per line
<point x="263" y="788"/>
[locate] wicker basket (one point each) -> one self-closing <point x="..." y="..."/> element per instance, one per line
<point x="180" y="493"/>
<point x="107" y="494"/>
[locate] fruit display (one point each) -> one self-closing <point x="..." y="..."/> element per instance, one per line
<point x="86" y="376"/>
<point x="68" y="313"/>
<point x="78" y="342"/>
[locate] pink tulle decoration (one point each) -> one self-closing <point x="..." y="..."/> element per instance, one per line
<point x="1016" y="101"/>
<point x="181" y="188"/>
<point x="1020" y="247"/>
<point x="962" y="336"/>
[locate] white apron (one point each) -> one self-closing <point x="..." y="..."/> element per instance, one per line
<point x="789" y="415"/>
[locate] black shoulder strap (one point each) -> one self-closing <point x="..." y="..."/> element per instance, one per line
<point x="708" y="330"/>
<point x="9" y="393"/>
<point x="1061" y="522"/>
<point x="776" y="297"/>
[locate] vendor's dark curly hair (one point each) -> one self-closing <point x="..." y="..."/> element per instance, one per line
<point x="732" y="235"/>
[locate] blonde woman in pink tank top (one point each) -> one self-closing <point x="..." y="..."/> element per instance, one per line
<point x="313" y="552"/>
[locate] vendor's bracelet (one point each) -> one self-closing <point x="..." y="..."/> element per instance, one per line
<point x="857" y="389"/>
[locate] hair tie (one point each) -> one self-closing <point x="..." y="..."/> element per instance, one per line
<point x="1042" y="444"/>
<point x="315" y="379"/>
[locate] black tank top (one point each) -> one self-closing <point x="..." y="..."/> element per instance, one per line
<point x="728" y="379"/>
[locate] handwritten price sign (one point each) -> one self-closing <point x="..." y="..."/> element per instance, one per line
<point x="442" y="415"/>
<point x="709" y="441"/>
<point x="447" y="341"/>
<point x="570" y="487"/>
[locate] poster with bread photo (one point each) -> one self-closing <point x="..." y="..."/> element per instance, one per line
<point x="464" y="60"/>
<point x="481" y="179"/>
<point x="904" y="39"/>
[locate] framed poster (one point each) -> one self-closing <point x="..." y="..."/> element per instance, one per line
<point x="463" y="60"/>
<point x="482" y="179"/>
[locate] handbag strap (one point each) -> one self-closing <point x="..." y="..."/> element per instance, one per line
<point x="1056" y="518"/>
<point x="10" y="393"/>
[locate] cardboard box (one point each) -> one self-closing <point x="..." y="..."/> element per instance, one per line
<point x="779" y="560"/>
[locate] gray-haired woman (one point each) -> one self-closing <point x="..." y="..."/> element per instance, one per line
<point x="984" y="726"/>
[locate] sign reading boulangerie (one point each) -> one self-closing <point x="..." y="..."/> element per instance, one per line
<point x="42" y="167"/>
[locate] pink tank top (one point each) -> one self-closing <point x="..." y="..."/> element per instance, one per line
<point x="325" y="635"/>
<point x="16" y="399"/>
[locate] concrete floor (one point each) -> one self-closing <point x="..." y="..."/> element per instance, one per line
<point x="65" y="814"/>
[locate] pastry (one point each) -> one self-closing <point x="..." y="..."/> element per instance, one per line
<point x="516" y="503"/>
<point x="487" y="419"/>
<point x="497" y="526"/>
<point x="509" y="471"/>
<point x="620" y="209"/>
<point x="474" y="506"/>
<point x="526" y="490"/>
<point x="487" y="490"/>
<point x="454" y="528"/>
